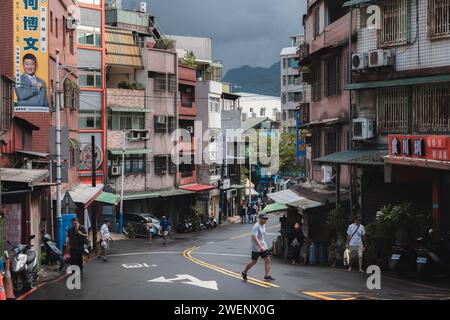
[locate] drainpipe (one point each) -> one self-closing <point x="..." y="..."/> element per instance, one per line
<point x="350" y="130"/>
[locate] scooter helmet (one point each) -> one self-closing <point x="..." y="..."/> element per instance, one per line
<point x="47" y="237"/>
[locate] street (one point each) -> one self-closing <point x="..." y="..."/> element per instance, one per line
<point x="207" y="265"/>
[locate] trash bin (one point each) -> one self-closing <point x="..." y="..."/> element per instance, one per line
<point x="313" y="253"/>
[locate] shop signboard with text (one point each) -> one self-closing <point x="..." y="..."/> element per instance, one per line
<point x="420" y="147"/>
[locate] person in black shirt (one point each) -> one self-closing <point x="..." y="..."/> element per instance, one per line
<point x="295" y="240"/>
<point x="77" y="238"/>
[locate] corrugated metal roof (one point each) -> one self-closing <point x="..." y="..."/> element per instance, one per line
<point x="361" y="157"/>
<point x="252" y="122"/>
<point x="118" y="152"/>
<point x="108" y="198"/>
<point x="398" y="82"/>
<point x="121" y="48"/>
<point x="174" y="192"/>
<point x="31" y="177"/>
<point x="140" y="195"/>
<point x="288" y="51"/>
<point x="291" y="198"/>
<point x="84" y="193"/>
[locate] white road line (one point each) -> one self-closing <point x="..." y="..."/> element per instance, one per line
<point x="143" y="253"/>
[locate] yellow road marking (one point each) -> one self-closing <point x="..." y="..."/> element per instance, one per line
<point x="249" y="233"/>
<point x="188" y="255"/>
<point x="326" y="295"/>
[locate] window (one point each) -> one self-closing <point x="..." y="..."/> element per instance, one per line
<point x="187" y="94"/>
<point x="51" y="21"/>
<point x="283" y="97"/>
<point x="160" y="124"/>
<point x="316" y="82"/>
<point x="438" y="18"/>
<point x="244" y="117"/>
<point x="291" y="115"/>
<point x="64" y="23"/>
<point x="172" y="83"/>
<point x="316" y="145"/>
<point x="295" y="96"/>
<point x="294" y="80"/>
<point x="90" y="79"/>
<point x="172" y="166"/>
<point x="71" y="43"/>
<point x="284" y="63"/>
<point x="284" y="116"/>
<point x="172" y="124"/>
<point x="331" y="142"/>
<point x="332" y="76"/>
<point x="126" y="121"/>
<point x="392" y="110"/>
<point x="262" y="112"/>
<point x="316" y="15"/>
<point x="134" y="163"/>
<point x="71" y="95"/>
<point x="293" y="63"/>
<point x="90" y="119"/>
<point x="284" y="80"/>
<point x="187" y="169"/>
<point x="214" y="104"/>
<point x="395" y="22"/>
<point x="6" y="95"/>
<point x="56" y="27"/>
<point x="161" y="165"/>
<point x="89" y="36"/>
<point x="159" y="81"/>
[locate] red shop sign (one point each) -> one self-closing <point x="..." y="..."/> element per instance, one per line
<point x="420" y="147"/>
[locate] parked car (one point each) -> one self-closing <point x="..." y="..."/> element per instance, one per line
<point x="139" y="222"/>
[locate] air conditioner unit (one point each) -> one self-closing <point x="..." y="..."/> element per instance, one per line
<point x="145" y="135"/>
<point x="143" y="7"/>
<point x="363" y="129"/>
<point x="71" y="23"/>
<point x="115" y="171"/>
<point x="380" y="58"/>
<point x="360" y="61"/>
<point x="134" y="135"/>
<point x="161" y="120"/>
<point x="327" y="174"/>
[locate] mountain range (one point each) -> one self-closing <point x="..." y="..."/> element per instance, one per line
<point x="257" y="80"/>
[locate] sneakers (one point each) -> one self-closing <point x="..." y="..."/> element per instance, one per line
<point x="244" y="276"/>
<point x="269" y="278"/>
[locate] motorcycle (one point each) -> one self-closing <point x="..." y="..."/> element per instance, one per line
<point x="211" y="223"/>
<point x="24" y="267"/>
<point x="52" y="253"/>
<point x="433" y="258"/>
<point x="403" y="259"/>
<point x="184" y="227"/>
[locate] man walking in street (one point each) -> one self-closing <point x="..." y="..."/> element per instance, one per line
<point x="295" y="240"/>
<point x="356" y="238"/>
<point x="259" y="248"/>
<point x="77" y="238"/>
<point x="165" y="228"/>
<point x="105" y="238"/>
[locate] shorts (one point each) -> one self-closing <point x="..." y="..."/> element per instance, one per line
<point x="256" y="255"/>
<point x="356" y="250"/>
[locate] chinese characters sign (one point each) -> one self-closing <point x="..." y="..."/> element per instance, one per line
<point x="420" y="147"/>
<point x="31" y="55"/>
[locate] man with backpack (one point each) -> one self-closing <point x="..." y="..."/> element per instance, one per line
<point x="356" y="238"/>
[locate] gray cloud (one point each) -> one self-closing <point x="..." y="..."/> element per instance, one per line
<point x="244" y="32"/>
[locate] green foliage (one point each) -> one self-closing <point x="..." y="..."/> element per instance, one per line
<point x="130" y="230"/>
<point x="197" y="217"/>
<point x="189" y="60"/>
<point x="165" y="44"/>
<point x="337" y="221"/>
<point x="400" y="222"/>
<point x="131" y="85"/>
<point x="288" y="163"/>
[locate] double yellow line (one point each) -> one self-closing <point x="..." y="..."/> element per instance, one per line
<point x="188" y="255"/>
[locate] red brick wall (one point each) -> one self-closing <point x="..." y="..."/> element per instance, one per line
<point x="7" y="35"/>
<point x="41" y="137"/>
<point x="187" y="74"/>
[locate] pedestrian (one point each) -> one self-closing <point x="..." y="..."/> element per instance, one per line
<point x="164" y="228"/>
<point x="259" y="248"/>
<point x="295" y="240"/>
<point x="356" y="238"/>
<point x="250" y="214"/>
<point x="255" y="211"/>
<point x="77" y="239"/>
<point x="105" y="238"/>
<point x="149" y="227"/>
<point x="243" y="212"/>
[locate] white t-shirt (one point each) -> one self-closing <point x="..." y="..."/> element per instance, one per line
<point x="357" y="237"/>
<point x="104" y="230"/>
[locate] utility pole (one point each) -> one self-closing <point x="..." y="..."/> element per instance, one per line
<point x="124" y="146"/>
<point x="59" y="221"/>
<point x="94" y="184"/>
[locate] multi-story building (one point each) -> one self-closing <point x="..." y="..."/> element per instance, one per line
<point x="256" y="106"/>
<point x="293" y="90"/>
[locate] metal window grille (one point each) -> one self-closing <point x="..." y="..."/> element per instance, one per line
<point x="315" y="86"/>
<point x="332" y="73"/>
<point x="160" y="83"/>
<point x="431" y="108"/>
<point x="6" y="103"/>
<point x="438" y="18"/>
<point x="395" y="22"/>
<point x="392" y="110"/>
<point x="160" y="165"/>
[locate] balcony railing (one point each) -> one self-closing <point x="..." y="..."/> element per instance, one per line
<point x="303" y="51"/>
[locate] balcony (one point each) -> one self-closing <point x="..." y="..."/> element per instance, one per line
<point x="303" y="52"/>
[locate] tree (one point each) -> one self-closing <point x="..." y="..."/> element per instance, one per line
<point x="189" y="59"/>
<point x="288" y="161"/>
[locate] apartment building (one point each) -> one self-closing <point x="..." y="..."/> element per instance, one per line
<point x="293" y="90"/>
<point x="257" y="105"/>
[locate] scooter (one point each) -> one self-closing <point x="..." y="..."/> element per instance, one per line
<point x="403" y="259"/>
<point x="211" y="223"/>
<point x="52" y="252"/>
<point x="434" y="258"/>
<point x="24" y="267"/>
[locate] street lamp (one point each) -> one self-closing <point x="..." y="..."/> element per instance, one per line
<point x="60" y="235"/>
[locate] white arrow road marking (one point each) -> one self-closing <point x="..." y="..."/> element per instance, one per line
<point x="193" y="281"/>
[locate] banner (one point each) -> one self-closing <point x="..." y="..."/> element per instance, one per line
<point x="31" y="56"/>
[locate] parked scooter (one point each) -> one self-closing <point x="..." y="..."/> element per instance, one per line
<point x="211" y="223"/>
<point x="52" y="253"/>
<point x="24" y="267"/>
<point x="433" y="258"/>
<point x="404" y="254"/>
<point x="185" y="226"/>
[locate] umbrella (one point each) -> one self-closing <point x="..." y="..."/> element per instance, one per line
<point x="274" y="207"/>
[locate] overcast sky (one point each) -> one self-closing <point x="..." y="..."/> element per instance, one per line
<point x="244" y="32"/>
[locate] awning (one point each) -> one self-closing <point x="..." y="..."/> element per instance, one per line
<point x="197" y="187"/>
<point x="25" y="123"/>
<point x="32" y="154"/>
<point x="290" y="198"/>
<point x="125" y="109"/>
<point x="352" y="3"/>
<point x="237" y="186"/>
<point x="118" y="152"/>
<point x="140" y="195"/>
<point x="31" y="177"/>
<point x="85" y="194"/>
<point x="324" y="122"/>
<point x="274" y="207"/>
<point x="398" y="82"/>
<point x="122" y="49"/>
<point x="174" y="193"/>
<point x="108" y="198"/>
<point x="354" y="157"/>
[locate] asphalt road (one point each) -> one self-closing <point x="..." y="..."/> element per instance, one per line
<point x="207" y="265"/>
